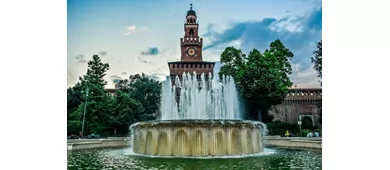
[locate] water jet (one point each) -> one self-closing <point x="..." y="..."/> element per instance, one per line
<point x="198" y="118"/>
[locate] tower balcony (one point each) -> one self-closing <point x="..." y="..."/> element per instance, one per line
<point x="191" y="41"/>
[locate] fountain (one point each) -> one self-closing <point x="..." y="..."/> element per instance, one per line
<point x="204" y="121"/>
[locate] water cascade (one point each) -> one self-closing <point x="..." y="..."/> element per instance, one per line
<point x="199" y="117"/>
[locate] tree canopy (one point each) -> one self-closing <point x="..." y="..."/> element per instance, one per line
<point x="262" y="78"/>
<point x="317" y="60"/>
<point x="136" y="99"/>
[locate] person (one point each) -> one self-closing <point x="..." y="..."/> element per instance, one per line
<point x="310" y="134"/>
<point x="317" y="134"/>
<point x="81" y="135"/>
<point x="287" y="134"/>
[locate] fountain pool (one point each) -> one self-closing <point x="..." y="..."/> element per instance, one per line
<point x="199" y="117"/>
<point x="271" y="158"/>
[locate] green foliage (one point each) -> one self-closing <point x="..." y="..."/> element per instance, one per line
<point x="148" y="92"/>
<point x="74" y="127"/>
<point x="317" y="60"/>
<point x="306" y="131"/>
<point x="126" y="112"/>
<point x="233" y="60"/>
<point x="98" y="102"/>
<point x="137" y="99"/>
<point x="74" y="98"/>
<point x="279" y="128"/>
<point x="262" y="78"/>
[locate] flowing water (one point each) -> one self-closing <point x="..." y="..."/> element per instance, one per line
<point x="200" y="99"/>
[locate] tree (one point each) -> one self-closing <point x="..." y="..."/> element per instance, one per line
<point x="126" y="112"/>
<point x="233" y="60"/>
<point x="99" y="102"/>
<point x="94" y="78"/>
<point x="74" y="98"/>
<point x="145" y="90"/>
<point x="317" y="60"/>
<point x="262" y="79"/>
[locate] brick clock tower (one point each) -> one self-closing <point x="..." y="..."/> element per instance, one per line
<point x="191" y="51"/>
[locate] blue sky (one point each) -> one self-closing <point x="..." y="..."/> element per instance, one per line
<point x="141" y="36"/>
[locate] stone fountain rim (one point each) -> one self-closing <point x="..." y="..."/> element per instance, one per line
<point x="200" y="123"/>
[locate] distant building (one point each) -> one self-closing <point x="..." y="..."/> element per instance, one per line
<point x="191" y="51"/>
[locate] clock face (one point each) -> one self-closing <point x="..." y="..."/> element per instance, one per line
<point x="191" y="52"/>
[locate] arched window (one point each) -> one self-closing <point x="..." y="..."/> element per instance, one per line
<point x="191" y="32"/>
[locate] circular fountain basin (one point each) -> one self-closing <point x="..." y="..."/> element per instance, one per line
<point x="198" y="137"/>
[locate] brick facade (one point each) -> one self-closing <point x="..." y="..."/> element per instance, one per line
<point x="191" y="51"/>
<point x="298" y="102"/>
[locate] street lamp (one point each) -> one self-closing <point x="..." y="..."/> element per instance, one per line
<point x="300" y="123"/>
<point x="85" y="110"/>
<point x="297" y="106"/>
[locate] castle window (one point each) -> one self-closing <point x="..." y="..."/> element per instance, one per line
<point x="191" y="32"/>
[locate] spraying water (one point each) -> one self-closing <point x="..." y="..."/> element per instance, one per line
<point x="200" y="99"/>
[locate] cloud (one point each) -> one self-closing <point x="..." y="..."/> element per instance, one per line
<point x="298" y="33"/>
<point x="157" y="76"/>
<point x="151" y="51"/>
<point x="115" y="79"/>
<point x="79" y="57"/>
<point x="143" y="28"/>
<point x="82" y="61"/>
<point x="103" y="53"/>
<point x="132" y="29"/>
<point x="71" y="79"/>
<point x="144" y="61"/>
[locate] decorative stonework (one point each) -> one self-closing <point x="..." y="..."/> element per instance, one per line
<point x="298" y="102"/>
<point x="198" y="137"/>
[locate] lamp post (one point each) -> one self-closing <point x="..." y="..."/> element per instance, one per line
<point x="300" y="123"/>
<point x="85" y="110"/>
<point x="297" y="106"/>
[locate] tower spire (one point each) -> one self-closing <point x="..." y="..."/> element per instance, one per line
<point x="191" y="6"/>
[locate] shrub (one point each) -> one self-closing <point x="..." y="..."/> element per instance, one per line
<point x="305" y="132"/>
<point x="279" y="128"/>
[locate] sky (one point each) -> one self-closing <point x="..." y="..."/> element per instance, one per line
<point x="142" y="36"/>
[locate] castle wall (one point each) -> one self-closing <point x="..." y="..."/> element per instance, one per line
<point x="298" y="102"/>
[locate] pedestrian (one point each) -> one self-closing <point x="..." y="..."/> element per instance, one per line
<point x="317" y="134"/>
<point x="81" y="135"/>
<point x="310" y="134"/>
<point x="287" y="134"/>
